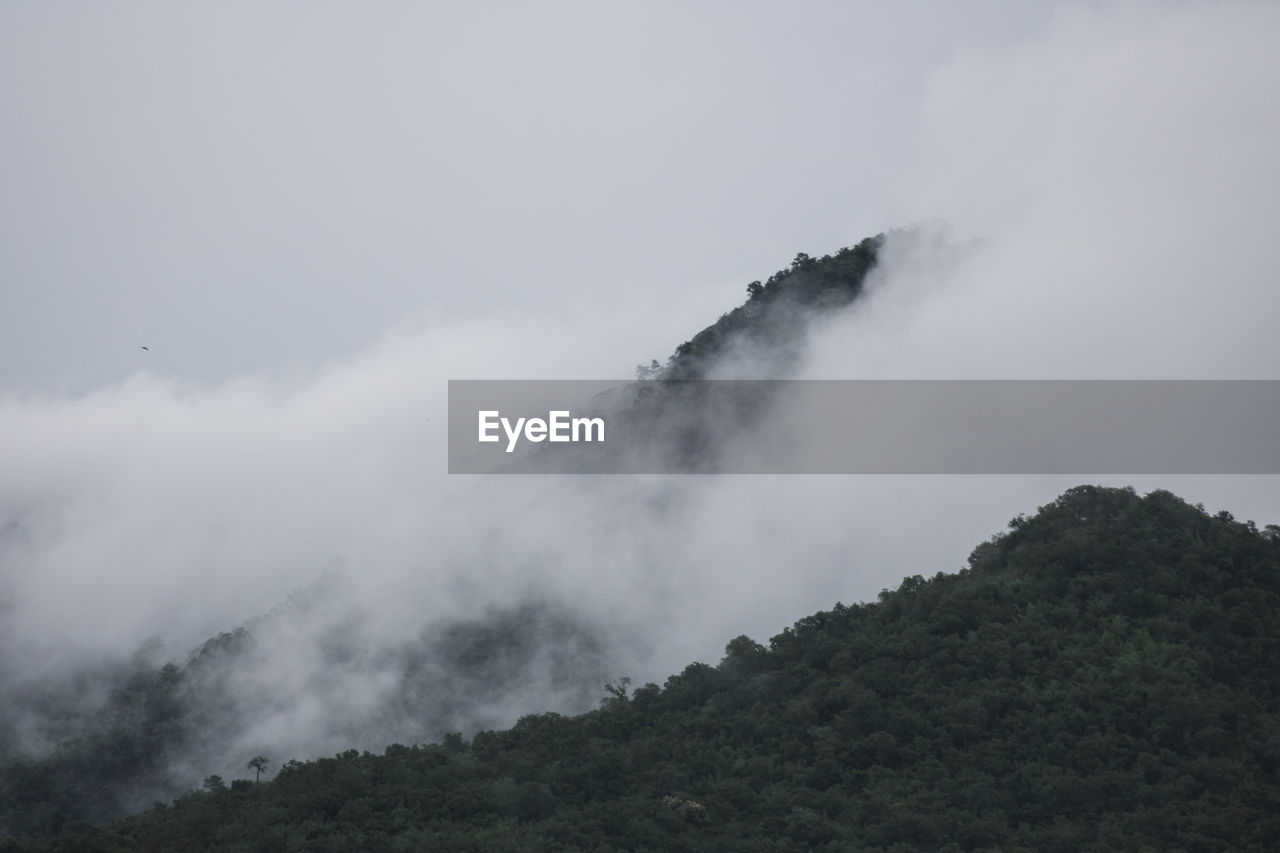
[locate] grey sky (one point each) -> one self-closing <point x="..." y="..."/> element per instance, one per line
<point x="315" y="214"/>
<point x="266" y="186"/>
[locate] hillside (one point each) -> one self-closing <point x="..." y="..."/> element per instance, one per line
<point x="157" y="728"/>
<point x="107" y="738"/>
<point x="770" y="327"/>
<point x="1103" y="676"/>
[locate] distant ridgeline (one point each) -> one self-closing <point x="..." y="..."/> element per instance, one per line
<point x="764" y="338"/>
<point x="771" y="324"/>
<point x="661" y="426"/>
<point x="1104" y="676"/>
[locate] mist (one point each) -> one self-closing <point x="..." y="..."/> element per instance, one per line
<point x="277" y="459"/>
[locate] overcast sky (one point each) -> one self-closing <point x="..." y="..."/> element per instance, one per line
<point x="314" y="214"/>
<point x="267" y="186"/>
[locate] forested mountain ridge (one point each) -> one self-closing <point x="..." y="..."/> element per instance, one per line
<point x="1103" y="676"/>
<point x="771" y="324"/>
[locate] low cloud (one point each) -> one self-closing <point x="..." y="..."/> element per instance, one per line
<point x="1109" y="187"/>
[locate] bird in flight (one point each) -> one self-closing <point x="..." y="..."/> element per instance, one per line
<point x="148" y="349"/>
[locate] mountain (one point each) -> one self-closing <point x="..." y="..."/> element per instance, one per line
<point x="1103" y="676"/>
<point x="674" y="425"/>
<point x="771" y="326"/>
<point x="107" y="738"/>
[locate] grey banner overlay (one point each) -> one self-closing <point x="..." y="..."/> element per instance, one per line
<point x="871" y="427"/>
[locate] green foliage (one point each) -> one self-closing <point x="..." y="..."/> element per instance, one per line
<point x="1101" y="677"/>
<point x="772" y="323"/>
<point x="257" y="764"/>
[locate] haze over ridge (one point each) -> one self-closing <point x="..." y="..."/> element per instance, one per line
<point x="1117" y="167"/>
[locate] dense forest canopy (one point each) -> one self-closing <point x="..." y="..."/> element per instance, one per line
<point x="1102" y="676"/>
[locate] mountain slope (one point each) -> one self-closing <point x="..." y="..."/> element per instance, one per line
<point x="108" y="738"/>
<point x="769" y="329"/>
<point x="1103" y="676"/>
<point x="156" y="729"/>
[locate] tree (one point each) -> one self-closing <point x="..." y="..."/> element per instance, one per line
<point x="617" y="692"/>
<point x="744" y="657"/>
<point x="803" y="262"/>
<point x="649" y="371"/>
<point x="258" y="763"/>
